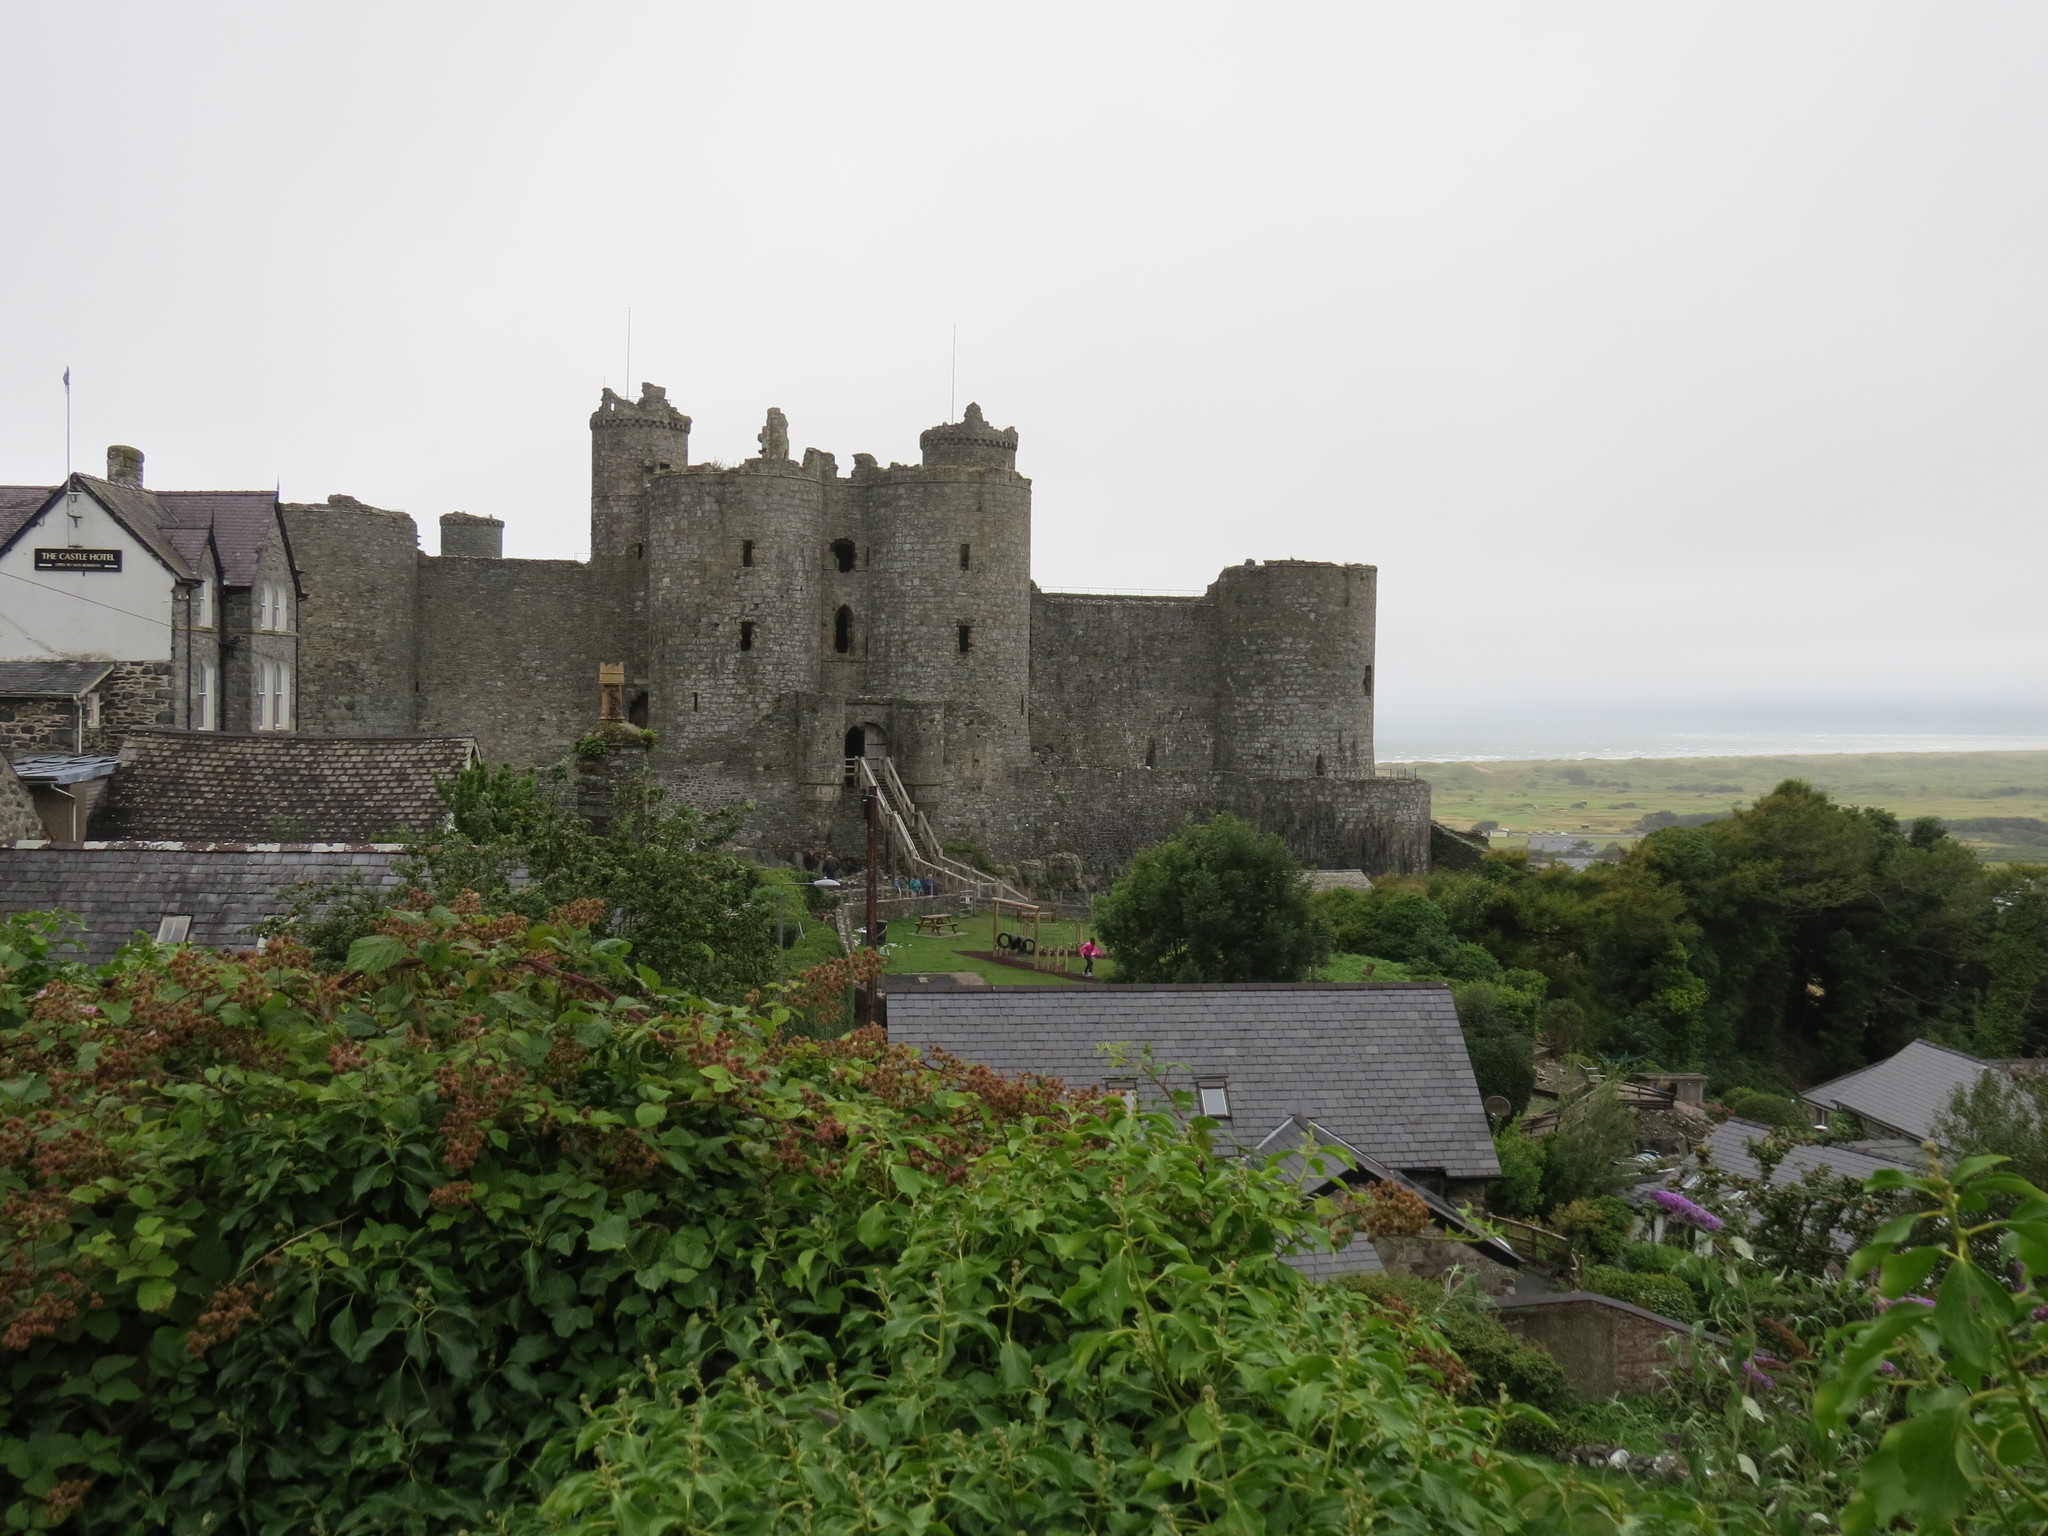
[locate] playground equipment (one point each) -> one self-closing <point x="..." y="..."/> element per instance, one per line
<point x="1019" y="928"/>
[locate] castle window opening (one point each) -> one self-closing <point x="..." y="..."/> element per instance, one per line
<point x="746" y="551"/>
<point x="1151" y="752"/>
<point x="694" y="705"/>
<point x="746" y="634"/>
<point x="639" y="551"/>
<point x="966" y="638"/>
<point x="1319" y="765"/>
<point x="636" y="712"/>
<point x="842" y="630"/>
<point x="843" y="553"/>
<point x="1368" y="682"/>
<point x="966" y="557"/>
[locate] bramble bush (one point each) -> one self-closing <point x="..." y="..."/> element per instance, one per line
<point x="489" y="1232"/>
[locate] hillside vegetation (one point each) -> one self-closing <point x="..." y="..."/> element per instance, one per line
<point x="1974" y="791"/>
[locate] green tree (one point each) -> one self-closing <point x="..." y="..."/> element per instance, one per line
<point x="1217" y="901"/>
<point x="1582" y="1156"/>
<point x="690" y="907"/>
<point x="2002" y="1114"/>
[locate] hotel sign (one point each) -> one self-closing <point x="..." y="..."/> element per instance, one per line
<point x="78" y="559"/>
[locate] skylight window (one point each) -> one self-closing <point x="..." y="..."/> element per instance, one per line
<point x="173" y="930"/>
<point x="1215" y="1101"/>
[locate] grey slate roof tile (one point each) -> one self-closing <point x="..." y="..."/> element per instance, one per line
<point x="209" y="786"/>
<point x="1383" y="1066"/>
<point x="1729" y="1148"/>
<point x="1907" y="1091"/>
<point x="116" y="892"/>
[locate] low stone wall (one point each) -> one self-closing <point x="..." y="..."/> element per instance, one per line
<point x="1605" y="1346"/>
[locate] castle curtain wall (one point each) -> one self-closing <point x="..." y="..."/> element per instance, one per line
<point x="508" y="653"/>
<point x="357" y="621"/>
<point x="1120" y="681"/>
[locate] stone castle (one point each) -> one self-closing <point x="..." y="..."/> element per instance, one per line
<point x="776" y="621"/>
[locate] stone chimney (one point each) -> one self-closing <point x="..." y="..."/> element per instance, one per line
<point x="124" y="464"/>
<point x="473" y="537"/>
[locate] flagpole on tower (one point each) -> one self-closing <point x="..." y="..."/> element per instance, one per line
<point x="67" y="423"/>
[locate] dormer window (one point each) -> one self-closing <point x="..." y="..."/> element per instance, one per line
<point x="271" y="612"/>
<point x="202" y="605"/>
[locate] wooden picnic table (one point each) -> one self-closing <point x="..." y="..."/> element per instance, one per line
<point x="938" y="922"/>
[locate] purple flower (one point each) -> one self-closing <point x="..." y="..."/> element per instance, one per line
<point x="1886" y="1368"/>
<point x="1884" y="1305"/>
<point x="2040" y="1314"/>
<point x="1758" y="1379"/>
<point x="1679" y="1208"/>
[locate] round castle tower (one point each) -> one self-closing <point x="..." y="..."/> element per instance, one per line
<point x="734" y="559"/>
<point x="949" y="594"/>
<point x="630" y="442"/>
<point x="1295" y="659"/>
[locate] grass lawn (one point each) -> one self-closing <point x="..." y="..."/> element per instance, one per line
<point x="912" y="951"/>
<point x="1603" y="799"/>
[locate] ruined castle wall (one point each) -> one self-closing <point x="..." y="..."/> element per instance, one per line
<point x="1123" y="682"/>
<point x="630" y="443"/>
<point x="733" y="645"/>
<point x="357" y="630"/>
<point x="508" y="653"/>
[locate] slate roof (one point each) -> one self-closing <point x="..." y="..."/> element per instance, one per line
<point x="209" y="786"/>
<point x="240" y="522"/>
<point x="19" y="503"/>
<point x="117" y="891"/>
<point x="1905" y="1092"/>
<point x="1381" y="1066"/>
<point x="50" y="679"/>
<point x="175" y="524"/>
<point x="1729" y="1149"/>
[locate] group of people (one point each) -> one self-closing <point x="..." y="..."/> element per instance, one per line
<point x="826" y="864"/>
<point x="915" y="885"/>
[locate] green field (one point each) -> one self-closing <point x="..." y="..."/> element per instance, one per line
<point x="1605" y="799"/>
<point x="911" y="951"/>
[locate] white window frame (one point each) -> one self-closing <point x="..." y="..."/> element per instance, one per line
<point x="281" y="712"/>
<point x="89" y="707"/>
<point x="202" y="605"/>
<point x="203" y="697"/>
<point x="1214" y="1099"/>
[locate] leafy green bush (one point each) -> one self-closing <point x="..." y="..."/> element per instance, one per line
<point x="1582" y="1156"/>
<point x="1217" y="901"/>
<point x="1960" y="1381"/>
<point x="666" y="878"/>
<point x="1499" y="1361"/>
<point x="289" y="1251"/>
<point x="1598" y="1226"/>
<point x="1519" y="1189"/>
<point x="1764" y="1108"/>
<point x="1666" y="1294"/>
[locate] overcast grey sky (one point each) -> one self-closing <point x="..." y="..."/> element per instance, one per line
<point x="1675" y="352"/>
